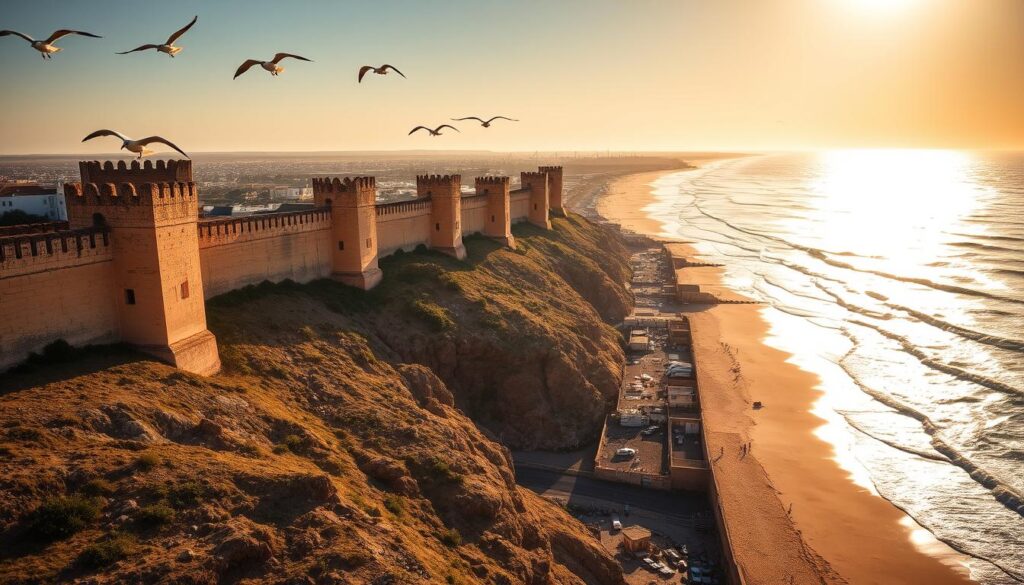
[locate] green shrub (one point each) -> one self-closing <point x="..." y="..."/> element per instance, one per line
<point x="108" y="552"/>
<point x="147" y="461"/>
<point x="62" y="516"/>
<point x="187" y="494"/>
<point x="440" y="470"/>
<point x="451" y="538"/>
<point x="280" y="449"/>
<point x="154" y="515"/>
<point x="97" y="487"/>
<point x="395" y="504"/>
<point x="435" y="316"/>
<point x="294" y="443"/>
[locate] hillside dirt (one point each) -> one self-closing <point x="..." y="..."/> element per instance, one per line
<point x="350" y="439"/>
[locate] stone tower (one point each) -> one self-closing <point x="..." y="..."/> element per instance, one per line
<point x="353" y="204"/>
<point x="537" y="183"/>
<point x="445" y="193"/>
<point x="554" y="189"/>
<point x="152" y="213"/>
<point x="498" y="223"/>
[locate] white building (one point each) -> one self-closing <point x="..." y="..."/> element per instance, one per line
<point x="34" y="200"/>
<point x="292" y="193"/>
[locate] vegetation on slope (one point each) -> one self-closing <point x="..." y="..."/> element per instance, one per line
<point x="322" y="454"/>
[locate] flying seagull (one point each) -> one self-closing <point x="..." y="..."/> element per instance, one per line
<point x="382" y="70"/>
<point x="46" y="48"/>
<point x="167" y="47"/>
<point x="136" y="146"/>
<point x="435" y="131"/>
<point x="485" y="123"/>
<point x="271" y="66"/>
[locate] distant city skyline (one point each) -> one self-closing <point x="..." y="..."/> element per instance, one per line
<point x="581" y="76"/>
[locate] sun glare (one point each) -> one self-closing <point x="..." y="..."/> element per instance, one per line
<point x="881" y="6"/>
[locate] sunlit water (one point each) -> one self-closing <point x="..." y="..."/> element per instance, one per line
<point x="898" y="277"/>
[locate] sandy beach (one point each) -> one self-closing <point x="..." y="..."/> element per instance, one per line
<point x="793" y="514"/>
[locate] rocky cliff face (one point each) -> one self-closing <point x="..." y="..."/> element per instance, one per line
<point x="333" y="448"/>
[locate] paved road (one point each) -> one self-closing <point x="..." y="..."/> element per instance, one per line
<point x="589" y="491"/>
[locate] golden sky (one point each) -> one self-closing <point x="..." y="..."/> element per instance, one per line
<point x="580" y="74"/>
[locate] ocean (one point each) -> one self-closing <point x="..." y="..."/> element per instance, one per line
<point x="898" y="278"/>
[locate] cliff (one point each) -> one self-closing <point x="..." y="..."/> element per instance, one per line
<point x="329" y="451"/>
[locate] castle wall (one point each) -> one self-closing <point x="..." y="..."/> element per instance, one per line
<point x="474" y="214"/>
<point x="402" y="225"/>
<point x="520" y="205"/>
<point x="236" y="252"/>
<point x="55" y="286"/>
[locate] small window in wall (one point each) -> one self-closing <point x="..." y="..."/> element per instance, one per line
<point x="535" y="207"/>
<point x="129" y="296"/>
<point x="492" y="219"/>
<point x="341" y="245"/>
<point x="437" y="227"/>
<point x="369" y="242"/>
<point x="184" y="290"/>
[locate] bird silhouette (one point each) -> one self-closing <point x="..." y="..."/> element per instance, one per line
<point x="484" y="123"/>
<point x="167" y="47"/>
<point x="271" y="66"/>
<point x="136" y="146"/>
<point x="435" y="131"/>
<point x="382" y="70"/>
<point x="46" y="48"/>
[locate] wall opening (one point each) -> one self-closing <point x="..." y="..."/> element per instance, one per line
<point x="129" y="296"/>
<point x="437" y="226"/>
<point x="98" y="220"/>
<point x="492" y="219"/>
<point x="184" y="290"/>
<point x="341" y="246"/>
<point x="369" y="242"/>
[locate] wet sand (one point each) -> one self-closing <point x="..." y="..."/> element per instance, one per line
<point x="792" y="513"/>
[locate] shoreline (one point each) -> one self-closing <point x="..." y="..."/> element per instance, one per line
<point x="791" y="510"/>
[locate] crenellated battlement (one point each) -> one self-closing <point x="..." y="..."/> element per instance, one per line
<point x="529" y="176"/>
<point x="344" y="185"/>
<point x="492" y="180"/>
<point x="171" y="171"/>
<point x="550" y="169"/>
<point x="129" y="193"/>
<point x="439" y="180"/>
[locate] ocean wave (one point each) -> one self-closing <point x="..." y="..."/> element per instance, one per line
<point x="852" y="307"/>
<point x="956" y="372"/>
<point x="985" y="338"/>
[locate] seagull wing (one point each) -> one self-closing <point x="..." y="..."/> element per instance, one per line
<point x="438" y="129"/>
<point x="393" y="68"/>
<point x="363" y="70"/>
<point x="4" y="33"/>
<point x="142" y="48"/>
<point x="99" y="133"/>
<point x="174" y="37"/>
<point x="245" y="67"/>
<point x="468" y="118"/>
<point x="152" y="139"/>
<point x="65" y="32"/>
<point x="419" y="128"/>
<point x="501" y="118"/>
<point x="277" y="58"/>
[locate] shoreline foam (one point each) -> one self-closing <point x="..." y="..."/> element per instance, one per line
<point x="790" y="509"/>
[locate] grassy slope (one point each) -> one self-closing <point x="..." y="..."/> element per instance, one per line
<point x="317" y="456"/>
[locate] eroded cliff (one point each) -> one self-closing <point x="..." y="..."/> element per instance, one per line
<point x="330" y="450"/>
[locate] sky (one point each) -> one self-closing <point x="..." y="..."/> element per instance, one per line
<point x="623" y="75"/>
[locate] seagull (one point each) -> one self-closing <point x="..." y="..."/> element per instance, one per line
<point x="485" y="123"/>
<point x="435" y="131"/>
<point x="136" y="146"/>
<point x="46" y="48"/>
<point x="382" y="70"/>
<point x="271" y="66"/>
<point x="167" y="47"/>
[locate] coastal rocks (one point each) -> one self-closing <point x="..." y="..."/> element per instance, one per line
<point x="241" y="542"/>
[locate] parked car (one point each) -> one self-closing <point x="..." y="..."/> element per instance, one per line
<point x="650" y="430"/>
<point x="616" y="524"/>
<point x="666" y="572"/>
<point x="625" y="452"/>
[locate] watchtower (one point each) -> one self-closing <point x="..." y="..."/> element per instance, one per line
<point x="352" y="202"/>
<point x="554" y="189"/>
<point x="152" y="213"/>
<point x="498" y="223"/>
<point x="537" y="183"/>
<point x="445" y="193"/>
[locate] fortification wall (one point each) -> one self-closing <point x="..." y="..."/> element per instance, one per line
<point x="474" y="214"/>
<point x="402" y="225"/>
<point x="519" y="201"/>
<point x="236" y="252"/>
<point x="55" y="286"/>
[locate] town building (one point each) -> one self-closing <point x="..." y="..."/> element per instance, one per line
<point x="33" y="199"/>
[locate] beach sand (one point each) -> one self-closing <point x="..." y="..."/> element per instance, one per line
<point x="792" y="513"/>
